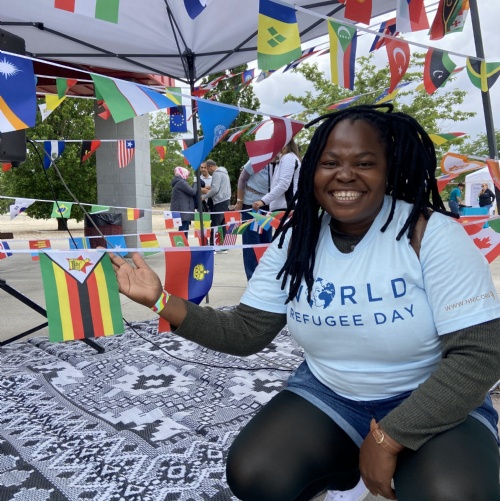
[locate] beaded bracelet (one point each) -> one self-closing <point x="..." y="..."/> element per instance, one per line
<point x="162" y="302"/>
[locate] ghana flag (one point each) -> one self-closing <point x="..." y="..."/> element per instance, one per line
<point x="81" y="295"/>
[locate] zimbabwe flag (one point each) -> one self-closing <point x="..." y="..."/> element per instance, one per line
<point x="81" y="295"/>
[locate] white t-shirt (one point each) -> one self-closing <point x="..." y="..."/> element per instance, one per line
<point x="371" y="330"/>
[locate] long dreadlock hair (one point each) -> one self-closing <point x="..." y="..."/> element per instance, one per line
<point x="411" y="166"/>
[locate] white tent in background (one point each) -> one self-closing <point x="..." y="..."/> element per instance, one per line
<point x="473" y="183"/>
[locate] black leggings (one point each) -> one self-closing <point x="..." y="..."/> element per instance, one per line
<point x="291" y="450"/>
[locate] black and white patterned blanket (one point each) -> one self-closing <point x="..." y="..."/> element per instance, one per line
<point x="149" y="419"/>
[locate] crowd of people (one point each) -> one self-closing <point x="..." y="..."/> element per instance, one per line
<point x="393" y="391"/>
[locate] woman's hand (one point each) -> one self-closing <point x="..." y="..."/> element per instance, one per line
<point x="377" y="468"/>
<point x="139" y="283"/>
<point x="257" y="205"/>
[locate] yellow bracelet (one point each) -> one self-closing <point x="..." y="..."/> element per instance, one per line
<point x="162" y="302"/>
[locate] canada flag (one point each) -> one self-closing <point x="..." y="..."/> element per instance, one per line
<point x="488" y="242"/>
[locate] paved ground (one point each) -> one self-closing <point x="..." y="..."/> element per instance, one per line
<point x="21" y="273"/>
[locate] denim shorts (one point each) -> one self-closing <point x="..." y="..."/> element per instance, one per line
<point x="353" y="416"/>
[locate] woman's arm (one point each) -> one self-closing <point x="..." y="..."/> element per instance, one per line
<point x="242" y="331"/>
<point x="286" y="171"/>
<point x="470" y="366"/>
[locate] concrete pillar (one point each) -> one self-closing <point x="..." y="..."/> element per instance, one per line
<point x="128" y="187"/>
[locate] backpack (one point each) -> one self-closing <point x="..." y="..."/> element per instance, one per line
<point x="289" y="192"/>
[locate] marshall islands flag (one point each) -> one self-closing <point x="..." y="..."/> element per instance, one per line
<point x="81" y="295"/>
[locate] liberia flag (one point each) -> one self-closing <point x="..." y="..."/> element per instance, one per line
<point x="81" y="294"/>
<point x="126" y="149"/>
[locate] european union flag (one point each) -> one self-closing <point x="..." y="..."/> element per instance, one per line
<point x="17" y="93"/>
<point x="178" y="119"/>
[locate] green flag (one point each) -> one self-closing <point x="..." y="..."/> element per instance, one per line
<point x="61" y="210"/>
<point x="483" y="75"/>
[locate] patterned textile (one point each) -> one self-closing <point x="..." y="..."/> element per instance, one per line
<point x="149" y="419"/>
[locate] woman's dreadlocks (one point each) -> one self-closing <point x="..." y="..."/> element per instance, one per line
<point x="411" y="166"/>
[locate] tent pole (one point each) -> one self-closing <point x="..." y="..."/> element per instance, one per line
<point x="488" y="114"/>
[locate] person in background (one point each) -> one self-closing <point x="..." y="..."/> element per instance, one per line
<point x="252" y="186"/>
<point x="455" y="198"/>
<point x="220" y="195"/>
<point x="183" y="196"/>
<point x="285" y="176"/>
<point x="398" y="360"/>
<point x="486" y="197"/>
<point x="206" y="179"/>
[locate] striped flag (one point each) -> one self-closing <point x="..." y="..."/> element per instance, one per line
<point x="386" y="28"/>
<point x="133" y="214"/>
<point x="105" y="10"/>
<point x="160" y="146"/>
<point x="446" y="13"/>
<point x="148" y="241"/>
<point x="4" y="250"/>
<point x="126" y="150"/>
<point x="438" y="67"/>
<point x="189" y="275"/>
<point x="88" y="148"/>
<point x="52" y="150"/>
<point x="80" y="243"/>
<point x="230" y="237"/>
<point x="306" y="53"/>
<point x="81" y="295"/>
<point x="411" y="16"/>
<point x="127" y="99"/>
<point x="236" y="135"/>
<point x="63" y="85"/>
<point x="343" y="103"/>
<point x="343" y="41"/>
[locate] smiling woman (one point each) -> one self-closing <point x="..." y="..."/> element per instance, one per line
<point x="398" y="359"/>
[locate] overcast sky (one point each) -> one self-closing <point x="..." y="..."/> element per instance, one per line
<point x="272" y="90"/>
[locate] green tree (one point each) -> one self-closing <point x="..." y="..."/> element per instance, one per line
<point x="431" y="111"/>
<point x="479" y="145"/>
<point x="231" y="91"/>
<point x="162" y="172"/>
<point x="72" y="120"/>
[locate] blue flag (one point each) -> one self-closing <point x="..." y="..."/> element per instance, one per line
<point x="53" y="149"/>
<point x="178" y="119"/>
<point x="195" y="7"/>
<point x="215" y="120"/>
<point x="17" y="93"/>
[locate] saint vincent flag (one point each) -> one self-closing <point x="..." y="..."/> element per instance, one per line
<point x="189" y="275"/>
<point x="438" y="67"/>
<point x="483" y="75"/>
<point x="342" y="53"/>
<point x="278" y="39"/>
<point x="81" y="294"/>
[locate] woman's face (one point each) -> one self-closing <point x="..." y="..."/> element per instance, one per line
<point x="350" y="178"/>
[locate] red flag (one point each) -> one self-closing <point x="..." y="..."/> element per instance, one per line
<point x="106" y="113"/>
<point x="189" y="275"/>
<point x="259" y="251"/>
<point x="88" y="148"/>
<point x="358" y="10"/>
<point x="398" y="53"/>
<point x="442" y="181"/>
<point x="446" y="13"/>
<point x="178" y="239"/>
<point x="262" y="151"/>
<point x="6" y="167"/>
<point x="488" y="242"/>
<point x="38" y="244"/>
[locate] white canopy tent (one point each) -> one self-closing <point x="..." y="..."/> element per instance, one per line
<point x="473" y="183"/>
